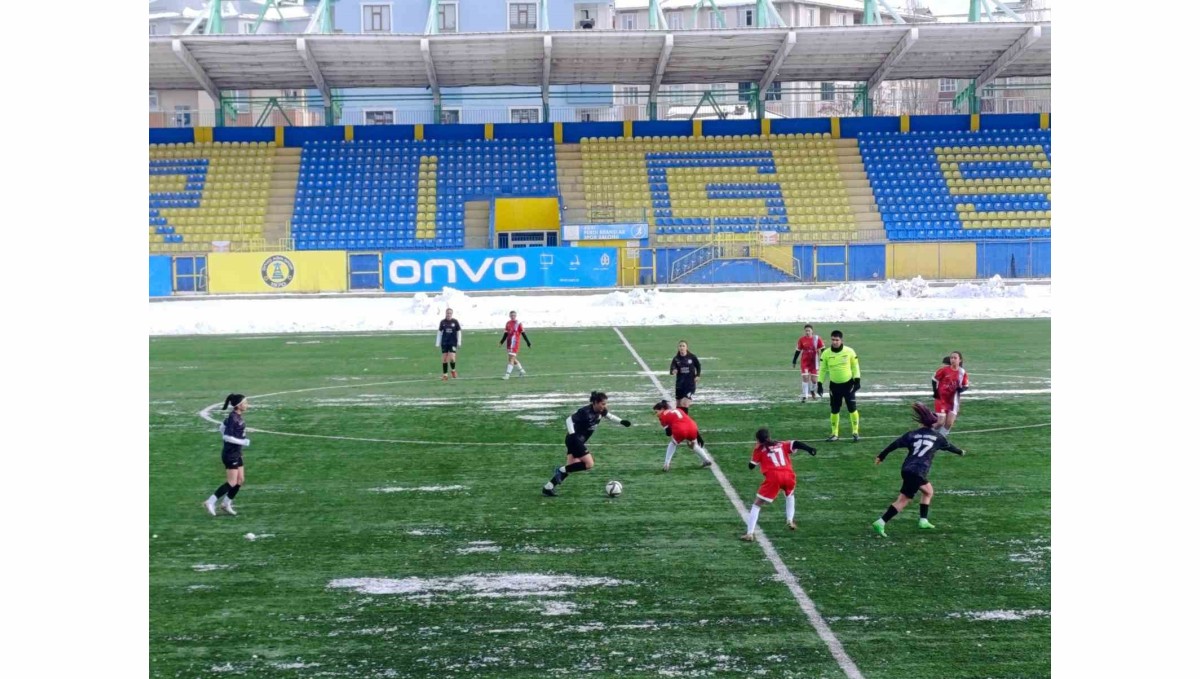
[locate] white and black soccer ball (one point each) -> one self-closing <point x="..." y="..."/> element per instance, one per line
<point x="613" y="489"/>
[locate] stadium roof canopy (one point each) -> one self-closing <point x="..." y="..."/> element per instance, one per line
<point x="970" y="51"/>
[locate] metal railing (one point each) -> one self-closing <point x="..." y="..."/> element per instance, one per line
<point x="691" y="261"/>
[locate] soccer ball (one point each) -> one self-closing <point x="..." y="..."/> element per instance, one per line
<point x="613" y="489"/>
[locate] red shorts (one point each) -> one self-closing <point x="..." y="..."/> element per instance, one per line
<point x="684" y="431"/>
<point x="514" y="350"/>
<point x="808" y="366"/>
<point x="776" y="481"/>
<point x="946" y="405"/>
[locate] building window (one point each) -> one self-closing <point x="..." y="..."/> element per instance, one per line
<point x="714" y="19"/>
<point x="524" y="115"/>
<point x="589" y="115"/>
<point x="153" y="100"/>
<point x="947" y="85"/>
<point x="183" y="116"/>
<point x="774" y="92"/>
<point x="629" y="22"/>
<point x="812" y="17"/>
<point x="153" y="29"/>
<point x="826" y="91"/>
<point x="1014" y="105"/>
<point x="451" y="116"/>
<point x="675" y="21"/>
<point x="248" y="27"/>
<point x="522" y="16"/>
<point x="629" y="96"/>
<point x="379" y="117"/>
<point x="377" y="18"/>
<point x="447" y="17"/>
<point x="748" y="16"/>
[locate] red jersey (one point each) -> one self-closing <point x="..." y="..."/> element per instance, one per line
<point x="949" y="380"/>
<point x="513" y="329"/>
<point x="777" y="457"/>
<point x="810" y="347"/>
<point x="683" y="427"/>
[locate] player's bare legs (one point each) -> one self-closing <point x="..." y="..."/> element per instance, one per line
<point x="950" y="417"/>
<point x="892" y="510"/>
<point x="574" y="464"/>
<point x="513" y="363"/>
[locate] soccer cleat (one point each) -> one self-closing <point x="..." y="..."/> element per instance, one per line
<point x="666" y="467"/>
<point x="924" y="523"/>
<point x="832" y="438"/>
<point x="854" y="438"/>
<point x="803" y="400"/>
<point x="506" y="376"/>
<point x="454" y="374"/>
<point x="791" y="525"/>
<point x="227" y="507"/>
<point x="522" y="374"/>
<point x="445" y="377"/>
<point x="549" y="492"/>
<point x="878" y="526"/>
<point x="748" y="537"/>
<point x="211" y="505"/>
<point x="706" y="463"/>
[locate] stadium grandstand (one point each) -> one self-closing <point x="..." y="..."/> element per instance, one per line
<point x="665" y="133"/>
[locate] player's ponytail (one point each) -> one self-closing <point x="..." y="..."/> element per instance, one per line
<point x="598" y="396"/>
<point x="232" y="400"/>
<point x="763" y="436"/>
<point x="662" y="405"/>
<point x="923" y="415"/>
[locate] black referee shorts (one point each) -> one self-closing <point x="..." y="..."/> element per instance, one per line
<point x="838" y="393"/>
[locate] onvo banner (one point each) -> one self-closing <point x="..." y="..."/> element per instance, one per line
<point x="500" y="269"/>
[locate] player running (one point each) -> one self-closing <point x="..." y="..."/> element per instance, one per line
<point x="233" y="432"/>
<point x="922" y="444"/>
<point x="776" y="460"/>
<point x="513" y="332"/>
<point x="948" y="382"/>
<point x="808" y="351"/>
<point x="579" y="429"/>
<point x="685" y="366"/>
<point x="682" y="429"/>
<point x="839" y="364"/>
<point x="449" y="338"/>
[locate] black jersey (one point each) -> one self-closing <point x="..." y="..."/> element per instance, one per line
<point x="922" y="444"/>
<point x="234" y="427"/>
<point x="449" y="332"/>
<point x="686" y="369"/>
<point x="583" y="422"/>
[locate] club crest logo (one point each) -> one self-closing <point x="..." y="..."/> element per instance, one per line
<point x="277" y="271"/>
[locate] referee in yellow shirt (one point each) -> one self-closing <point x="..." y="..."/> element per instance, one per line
<point x="839" y="364"/>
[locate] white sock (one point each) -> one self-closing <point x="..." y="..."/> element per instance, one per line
<point x="701" y="453"/>
<point x="212" y="499"/>
<point x="508" y="369"/>
<point x="790" y="507"/>
<point x="670" y="452"/>
<point x="520" y="367"/>
<point x="804" y="389"/>
<point x="753" y="521"/>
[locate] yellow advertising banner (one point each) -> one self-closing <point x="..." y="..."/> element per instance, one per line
<point x="277" y="272"/>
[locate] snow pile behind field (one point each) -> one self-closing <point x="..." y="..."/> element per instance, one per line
<point x="886" y="301"/>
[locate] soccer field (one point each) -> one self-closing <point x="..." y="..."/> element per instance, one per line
<point x="399" y="529"/>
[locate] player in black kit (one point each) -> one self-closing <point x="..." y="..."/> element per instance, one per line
<point x="449" y="338"/>
<point x="233" y="434"/>
<point x="922" y="444"/>
<point x="579" y="429"/>
<point x="685" y="366"/>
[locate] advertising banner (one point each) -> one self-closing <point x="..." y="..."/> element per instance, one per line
<point x="500" y="269"/>
<point x="277" y="272"/>
<point x="573" y="232"/>
<point x="160" y="275"/>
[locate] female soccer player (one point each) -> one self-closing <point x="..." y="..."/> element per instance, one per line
<point x="922" y="444"/>
<point x="808" y="350"/>
<point x="449" y="338"/>
<point x="948" y="382"/>
<point x="513" y="332"/>
<point x="776" y="460"/>
<point x="685" y="366"/>
<point x="233" y="432"/>
<point x="682" y="429"/>
<point x="579" y="429"/>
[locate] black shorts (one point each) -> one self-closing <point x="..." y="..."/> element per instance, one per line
<point x="684" y="391"/>
<point x="910" y="484"/>
<point x="448" y="348"/>
<point x="839" y="392"/>
<point x="576" y="447"/>
<point x="231" y="461"/>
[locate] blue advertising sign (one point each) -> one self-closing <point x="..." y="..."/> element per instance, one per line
<point x="160" y="276"/>
<point x="500" y="269"/>
<point x="573" y="232"/>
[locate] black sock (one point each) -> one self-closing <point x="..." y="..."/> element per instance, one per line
<point x="452" y="365"/>
<point x="444" y="364"/>
<point x="891" y="511"/>
<point x="924" y="511"/>
<point x="700" y="439"/>
<point x="576" y="467"/>
<point x="233" y="491"/>
<point x="560" y="475"/>
<point x="222" y="490"/>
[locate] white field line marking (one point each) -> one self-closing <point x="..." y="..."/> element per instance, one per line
<point x="806" y="604"/>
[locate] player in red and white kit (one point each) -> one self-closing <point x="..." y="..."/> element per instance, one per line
<point x="775" y="458"/>
<point x="511" y="341"/>
<point x="948" y="382"/>
<point x="682" y="429"/>
<point x="808" y="351"/>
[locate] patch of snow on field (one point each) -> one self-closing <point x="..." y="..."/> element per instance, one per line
<point x="999" y="615"/>
<point x="418" y="489"/>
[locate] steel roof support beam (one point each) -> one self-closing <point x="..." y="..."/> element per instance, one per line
<point x="431" y="72"/>
<point x="1032" y="35"/>
<point x="781" y="54"/>
<point x="314" y="69"/>
<point x="547" y="48"/>
<point x="895" y="15"/>
<point x="663" y="56"/>
<point x="320" y="22"/>
<point x="197" y="71"/>
<point x="906" y="43"/>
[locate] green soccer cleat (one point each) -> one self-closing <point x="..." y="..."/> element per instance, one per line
<point x="878" y="526"/>
<point x="924" y="523"/>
